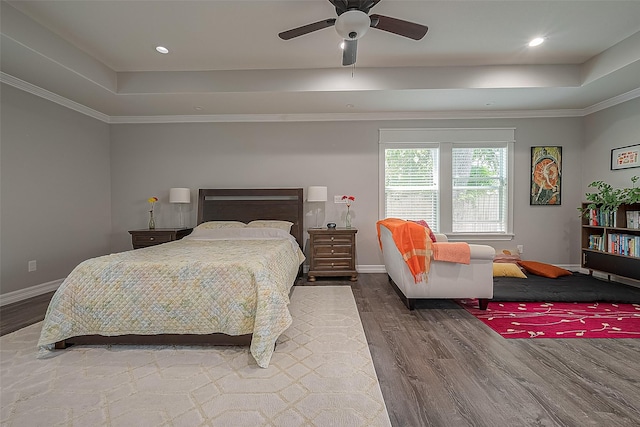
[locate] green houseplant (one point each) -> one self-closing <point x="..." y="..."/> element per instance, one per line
<point x="632" y="195"/>
<point x="608" y="199"/>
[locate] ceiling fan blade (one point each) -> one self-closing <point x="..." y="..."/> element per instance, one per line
<point x="398" y="26"/>
<point x="349" y="52"/>
<point x="306" y="29"/>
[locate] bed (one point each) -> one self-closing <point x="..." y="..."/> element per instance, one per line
<point x="226" y="283"/>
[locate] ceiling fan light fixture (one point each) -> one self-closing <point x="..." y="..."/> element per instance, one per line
<point x="352" y="24"/>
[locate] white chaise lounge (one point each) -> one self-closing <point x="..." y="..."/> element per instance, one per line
<point x="445" y="279"/>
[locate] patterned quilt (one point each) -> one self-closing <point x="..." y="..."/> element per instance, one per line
<point x="184" y="287"/>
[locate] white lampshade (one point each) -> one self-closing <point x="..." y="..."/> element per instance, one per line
<point x="317" y="194"/>
<point x="180" y="195"/>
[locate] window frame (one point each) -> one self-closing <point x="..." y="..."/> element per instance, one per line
<point x="445" y="139"/>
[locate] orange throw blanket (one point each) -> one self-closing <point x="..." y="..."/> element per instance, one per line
<point x="459" y="252"/>
<point x="413" y="242"/>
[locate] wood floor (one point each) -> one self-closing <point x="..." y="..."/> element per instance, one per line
<point x="439" y="366"/>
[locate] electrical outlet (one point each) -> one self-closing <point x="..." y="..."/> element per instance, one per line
<point x="338" y="199"/>
<point x="520" y="249"/>
<point x="32" y="266"/>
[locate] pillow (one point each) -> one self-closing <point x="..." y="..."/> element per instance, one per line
<point x="243" y="233"/>
<point x="239" y="233"/>
<point x="545" y="270"/>
<point x="271" y="223"/>
<point x="506" y="256"/>
<point x="507" y="270"/>
<point x="425" y="225"/>
<point x="221" y="224"/>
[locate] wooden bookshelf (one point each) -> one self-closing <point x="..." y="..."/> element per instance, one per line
<point x="612" y="244"/>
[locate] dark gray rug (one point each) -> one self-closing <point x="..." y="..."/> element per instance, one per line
<point x="575" y="288"/>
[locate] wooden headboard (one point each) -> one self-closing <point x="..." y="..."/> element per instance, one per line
<point x="248" y="204"/>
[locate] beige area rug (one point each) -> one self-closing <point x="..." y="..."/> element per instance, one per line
<point x="321" y="374"/>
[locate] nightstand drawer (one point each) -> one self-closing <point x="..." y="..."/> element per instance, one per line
<point x="336" y="239"/>
<point x="146" y="238"/>
<point x="151" y="238"/>
<point x="328" y="264"/>
<point x="332" y="251"/>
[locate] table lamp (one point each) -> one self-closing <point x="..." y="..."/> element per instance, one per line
<point x="180" y="196"/>
<point x="317" y="194"/>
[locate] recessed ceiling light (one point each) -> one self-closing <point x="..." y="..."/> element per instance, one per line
<point x="536" y="42"/>
<point x="198" y="108"/>
<point x="162" y="49"/>
<point x="349" y="105"/>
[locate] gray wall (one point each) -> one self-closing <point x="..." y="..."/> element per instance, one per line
<point x="55" y="187"/>
<point x="73" y="186"/>
<point x="148" y="159"/>
<point x="614" y="127"/>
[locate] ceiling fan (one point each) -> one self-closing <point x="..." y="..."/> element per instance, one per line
<point x="353" y="21"/>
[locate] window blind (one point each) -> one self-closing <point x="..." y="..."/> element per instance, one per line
<point x="479" y="189"/>
<point x="411" y="184"/>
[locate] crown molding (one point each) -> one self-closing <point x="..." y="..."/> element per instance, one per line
<point x="340" y="117"/>
<point x="319" y="117"/>
<point x="50" y="96"/>
<point x="611" y="102"/>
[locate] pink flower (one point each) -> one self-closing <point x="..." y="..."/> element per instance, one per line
<point x="349" y="199"/>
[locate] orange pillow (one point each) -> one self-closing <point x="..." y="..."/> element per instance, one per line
<point x="545" y="270"/>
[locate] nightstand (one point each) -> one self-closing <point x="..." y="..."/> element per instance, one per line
<point x="332" y="253"/>
<point x="146" y="237"/>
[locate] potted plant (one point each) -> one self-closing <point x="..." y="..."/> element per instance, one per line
<point x="632" y="195"/>
<point x="608" y="199"/>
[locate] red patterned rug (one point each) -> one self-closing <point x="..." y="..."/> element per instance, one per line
<point x="558" y="319"/>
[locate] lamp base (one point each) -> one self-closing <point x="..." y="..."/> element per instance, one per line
<point x="318" y="226"/>
<point x="181" y="222"/>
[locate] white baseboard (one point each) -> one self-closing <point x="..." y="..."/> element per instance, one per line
<point x="570" y="267"/>
<point x="360" y="268"/>
<point x="30" y="292"/>
<point x="371" y="269"/>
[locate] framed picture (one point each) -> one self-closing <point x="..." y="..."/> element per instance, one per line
<point x="546" y="175"/>
<point x="625" y="157"/>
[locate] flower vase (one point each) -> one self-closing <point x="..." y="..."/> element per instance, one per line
<point x="152" y="222"/>
<point x="348" y="218"/>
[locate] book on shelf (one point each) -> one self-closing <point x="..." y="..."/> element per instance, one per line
<point x="633" y="219"/>
<point x="623" y="244"/>
<point x="602" y="219"/>
<point x="596" y="242"/>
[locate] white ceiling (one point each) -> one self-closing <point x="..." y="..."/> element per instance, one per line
<point x="226" y="61"/>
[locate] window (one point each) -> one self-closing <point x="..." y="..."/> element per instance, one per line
<point x="479" y="183"/>
<point x="459" y="185"/>
<point x="411" y="184"/>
